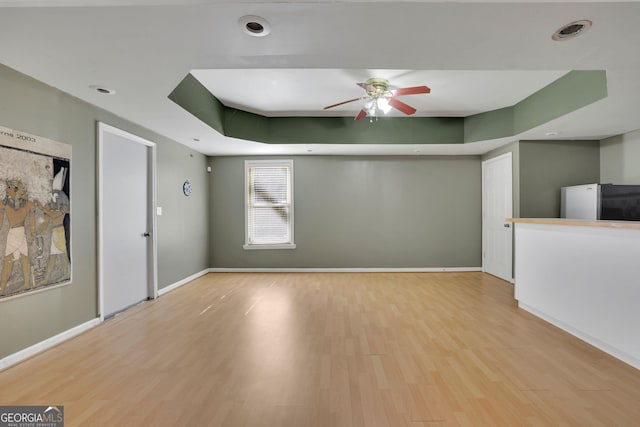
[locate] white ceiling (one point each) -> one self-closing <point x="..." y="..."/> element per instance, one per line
<point x="475" y="57"/>
<point x="304" y="92"/>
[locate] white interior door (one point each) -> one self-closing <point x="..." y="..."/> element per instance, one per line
<point x="127" y="246"/>
<point x="497" y="204"/>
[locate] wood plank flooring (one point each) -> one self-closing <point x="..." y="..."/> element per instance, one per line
<point x="330" y="349"/>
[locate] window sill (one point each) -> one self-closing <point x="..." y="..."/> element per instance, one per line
<point x="248" y="247"/>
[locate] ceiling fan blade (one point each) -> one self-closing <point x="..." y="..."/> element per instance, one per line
<point x="361" y="115"/>
<point x="411" y="90"/>
<point x="401" y="106"/>
<point x="342" y="103"/>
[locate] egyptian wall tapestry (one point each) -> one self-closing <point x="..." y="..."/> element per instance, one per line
<point x="35" y="213"/>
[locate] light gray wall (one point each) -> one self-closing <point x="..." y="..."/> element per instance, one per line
<point x="32" y="107"/>
<point x="545" y="166"/>
<point x="353" y="212"/>
<point x="620" y="159"/>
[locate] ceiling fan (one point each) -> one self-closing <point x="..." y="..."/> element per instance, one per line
<point x="380" y="97"/>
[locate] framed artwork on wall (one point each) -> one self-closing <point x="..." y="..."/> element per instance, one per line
<point x="35" y="213"/>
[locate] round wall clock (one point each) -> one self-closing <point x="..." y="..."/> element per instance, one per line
<point x="186" y="188"/>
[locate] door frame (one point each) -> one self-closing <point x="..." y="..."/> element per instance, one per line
<point x="152" y="262"/>
<point x="504" y="156"/>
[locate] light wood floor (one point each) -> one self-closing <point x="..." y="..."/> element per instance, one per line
<point x="330" y="349"/>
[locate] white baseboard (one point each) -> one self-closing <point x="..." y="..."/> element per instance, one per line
<point x="343" y="270"/>
<point x="626" y="358"/>
<point x="182" y="282"/>
<point x="28" y="352"/>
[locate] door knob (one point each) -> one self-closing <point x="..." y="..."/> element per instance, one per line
<point x="146" y="234"/>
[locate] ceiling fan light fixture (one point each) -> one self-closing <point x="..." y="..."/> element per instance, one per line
<point x="380" y="98"/>
<point x="383" y="104"/>
<point x="371" y="108"/>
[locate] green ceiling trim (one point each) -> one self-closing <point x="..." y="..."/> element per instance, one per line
<point x="191" y="95"/>
<point x="572" y="91"/>
<point x="343" y="130"/>
<point x="489" y="125"/>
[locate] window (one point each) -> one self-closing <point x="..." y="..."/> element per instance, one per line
<point x="269" y="204"/>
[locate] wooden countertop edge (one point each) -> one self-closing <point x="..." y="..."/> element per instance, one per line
<point x="631" y="225"/>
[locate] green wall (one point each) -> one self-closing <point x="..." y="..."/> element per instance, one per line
<point x="358" y="212"/>
<point x="183" y="227"/>
<point x="620" y="159"/>
<point x="540" y="168"/>
<point x="30" y="106"/>
<point x="545" y="166"/>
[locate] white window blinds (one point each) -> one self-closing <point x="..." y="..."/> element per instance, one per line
<point x="269" y="203"/>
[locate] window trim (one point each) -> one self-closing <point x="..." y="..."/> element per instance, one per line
<point x="257" y="246"/>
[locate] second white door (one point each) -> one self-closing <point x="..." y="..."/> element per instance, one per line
<point x="497" y="205"/>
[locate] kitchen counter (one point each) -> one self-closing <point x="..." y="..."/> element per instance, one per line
<point x="631" y="225"/>
<point x="583" y="277"/>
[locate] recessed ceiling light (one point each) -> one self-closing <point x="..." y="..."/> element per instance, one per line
<point x="103" y="90"/>
<point x="571" y="30"/>
<point x="195" y="139"/>
<point x="309" y="151"/>
<point x="254" y="25"/>
<point x="552" y="133"/>
<point x="417" y="150"/>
